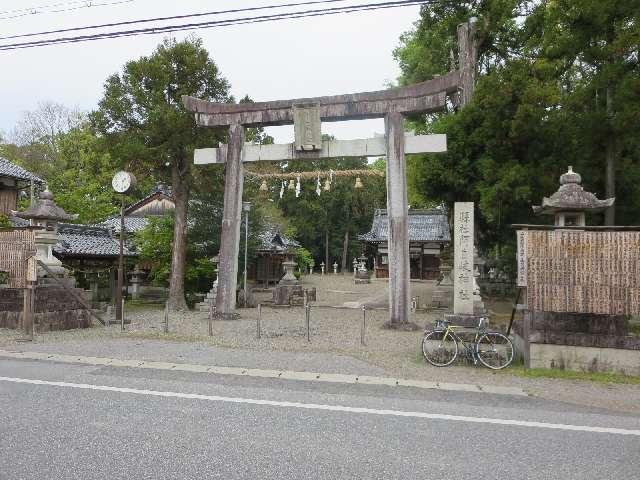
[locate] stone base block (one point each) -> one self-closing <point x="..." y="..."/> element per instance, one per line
<point x="586" y="359"/>
<point x="282" y="294"/>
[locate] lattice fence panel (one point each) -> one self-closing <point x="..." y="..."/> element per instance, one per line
<point x="16" y="246"/>
<point x="583" y="272"/>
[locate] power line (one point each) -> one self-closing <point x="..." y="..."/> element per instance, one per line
<point x="37" y="7"/>
<point x="173" y="17"/>
<point x="219" y="23"/>
<point x="60" y="7"/>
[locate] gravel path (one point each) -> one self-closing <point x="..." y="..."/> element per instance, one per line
<point x="335" y="344"/>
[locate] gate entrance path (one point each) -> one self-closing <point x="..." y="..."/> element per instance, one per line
<point x="306" y="114"/>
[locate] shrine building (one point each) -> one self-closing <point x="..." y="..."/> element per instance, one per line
<point x="428" y="235"/>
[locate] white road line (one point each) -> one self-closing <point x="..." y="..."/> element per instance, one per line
<point x="332" y="408"/>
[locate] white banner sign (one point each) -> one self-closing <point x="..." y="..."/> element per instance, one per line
<point x="521" y="256"/>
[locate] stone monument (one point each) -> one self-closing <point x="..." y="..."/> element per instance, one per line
<point x="463" y="287"/>
<point x="467" y="304"/>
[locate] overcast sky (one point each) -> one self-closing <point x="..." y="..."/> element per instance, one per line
<point x="327" y="55"/>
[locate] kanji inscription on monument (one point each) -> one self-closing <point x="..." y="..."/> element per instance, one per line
<point x="522" y="258"/>
<point x="463" y="258"/>
<point x="306" y="127"/>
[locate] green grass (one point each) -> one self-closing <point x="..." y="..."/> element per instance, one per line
<point x="634" y="329"/>
<point x="596" y="377"/>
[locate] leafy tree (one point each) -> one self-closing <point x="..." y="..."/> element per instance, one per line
<point x="82" y="184"/>
<point x="328" y="223"/>
<point x="147" y="128"/>
<point x="153" y="244"/>
<point x="592" y="47"/>
<point x="539" y="106"/>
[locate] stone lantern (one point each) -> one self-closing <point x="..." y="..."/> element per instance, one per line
<point x="570" y="203"/>
<point x="136" y="281"/>
<point x="210" y="300"/>
<point x="46" y="215"/>
<point x="362" y="274"/>
<point x="289" y="272"/>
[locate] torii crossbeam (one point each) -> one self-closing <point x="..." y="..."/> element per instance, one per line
<point x="306" y="115"/>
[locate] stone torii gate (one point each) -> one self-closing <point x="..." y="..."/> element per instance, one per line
<point x="306" y="114"/>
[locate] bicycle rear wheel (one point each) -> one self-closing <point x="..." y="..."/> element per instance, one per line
<point x="494" y="350"/>
<point x="438" y="350"/>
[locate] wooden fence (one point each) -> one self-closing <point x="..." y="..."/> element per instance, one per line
<point x="582" y="271"/>
<point x="16" y="247"/>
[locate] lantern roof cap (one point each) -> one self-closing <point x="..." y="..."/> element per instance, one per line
<point x="45" y="208"/>
<point x="571" y="196"/>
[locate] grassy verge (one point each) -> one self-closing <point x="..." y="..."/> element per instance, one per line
<point x="596" y="377"/>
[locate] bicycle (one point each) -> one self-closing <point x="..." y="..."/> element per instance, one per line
<point x="492" y="349"/>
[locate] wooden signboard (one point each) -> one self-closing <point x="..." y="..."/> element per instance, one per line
<point x="582" y="271"/>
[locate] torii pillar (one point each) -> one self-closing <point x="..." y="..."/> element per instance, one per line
<point x="306" y="114"/>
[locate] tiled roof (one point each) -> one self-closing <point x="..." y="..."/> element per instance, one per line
<point x="11" y="170"/>
<point x="161" y="191"/>
<point x="18" y="222"/>
<point x="271" y="240"/>
<point x="87" y="241"/>
<point x="131" y="224"/>
<point x="430" y="225"/>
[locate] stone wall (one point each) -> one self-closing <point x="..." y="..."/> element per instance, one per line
<point x="585" y="359"/>
<point x="578" y="341"/>
<point x="579" y="329"/>
<point x="54" y="309"/>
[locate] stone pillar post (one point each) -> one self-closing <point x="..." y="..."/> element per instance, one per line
<point x="397" y="210"/>
<point x="230" y="241"/>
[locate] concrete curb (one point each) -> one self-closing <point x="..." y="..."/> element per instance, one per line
<point x="253" y="372"/>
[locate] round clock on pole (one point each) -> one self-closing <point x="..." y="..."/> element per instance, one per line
<point x="123" y="182"/>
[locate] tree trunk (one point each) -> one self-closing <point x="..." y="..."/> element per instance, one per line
<point x="179" y="251"/>
<point x="345" y="250"/>
<point x="610" y="213"/>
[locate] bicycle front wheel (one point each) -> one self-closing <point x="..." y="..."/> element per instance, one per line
<point x="494" y="350"/>
<point x="439" y="350"/>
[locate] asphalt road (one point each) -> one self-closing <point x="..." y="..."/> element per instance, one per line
<point x="63" y="421"/>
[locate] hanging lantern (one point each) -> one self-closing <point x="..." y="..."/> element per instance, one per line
<point x="327" y="185"/>
<point x="263" y="186"/>
<point x="292" y="184"/>
<point x="358" y="183"/>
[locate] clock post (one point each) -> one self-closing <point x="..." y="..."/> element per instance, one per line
<point x="123" y="182"/>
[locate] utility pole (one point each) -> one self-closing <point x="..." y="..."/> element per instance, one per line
<point x="246" y="206"/>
